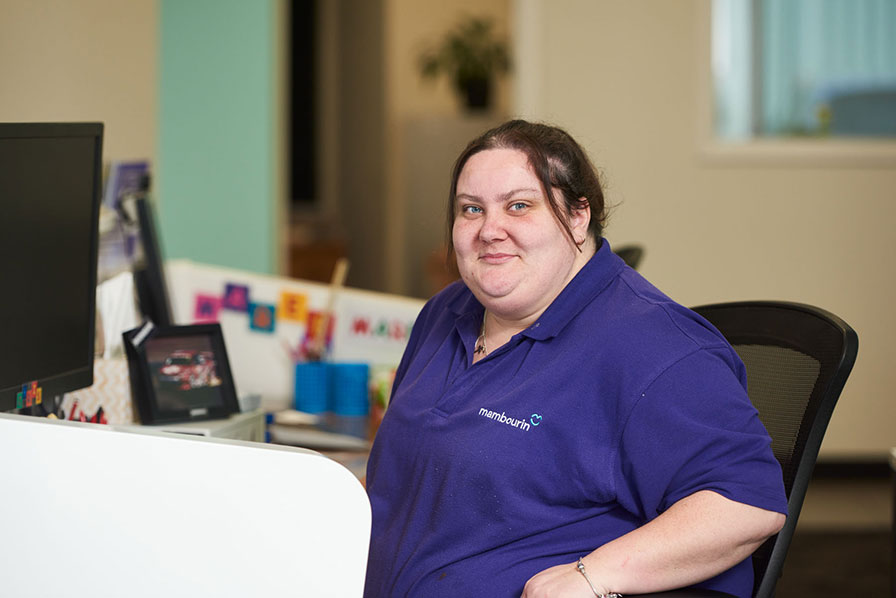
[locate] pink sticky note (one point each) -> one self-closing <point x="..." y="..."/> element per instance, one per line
<point x="207" y="308"/>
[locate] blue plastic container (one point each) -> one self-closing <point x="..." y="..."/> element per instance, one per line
<point x="312" y="388"/>
<point x="349" y="388"/>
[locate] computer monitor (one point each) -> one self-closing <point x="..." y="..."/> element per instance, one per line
<point x="50" y="186"/>
<point x="149" y="268"/>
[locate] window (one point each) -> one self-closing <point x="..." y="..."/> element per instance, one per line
<point x="804" y="68"/>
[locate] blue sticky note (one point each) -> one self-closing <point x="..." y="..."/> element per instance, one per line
<point x="262" y="317"/>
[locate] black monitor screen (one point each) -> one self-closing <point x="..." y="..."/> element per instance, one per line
<point x="50" y="182"/>
<point x="149" y="272"/>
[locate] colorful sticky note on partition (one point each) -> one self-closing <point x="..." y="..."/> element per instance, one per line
<point x="236" y="297"/>
<point x="31" y="395"/>
<point x="207" y="308"/>
<point x="293" y="306"/>
<point x="262" y="317"/>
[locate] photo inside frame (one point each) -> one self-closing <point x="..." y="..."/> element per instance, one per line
<point x="184" y="373"/>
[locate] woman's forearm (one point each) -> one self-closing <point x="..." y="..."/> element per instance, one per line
<point x="699" y="537"/>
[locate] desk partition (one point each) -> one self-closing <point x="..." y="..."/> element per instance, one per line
<point x="367" y="327"/>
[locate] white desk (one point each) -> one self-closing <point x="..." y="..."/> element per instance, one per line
<point x="90" y="510"/>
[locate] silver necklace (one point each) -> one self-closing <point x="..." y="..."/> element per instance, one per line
<point x="480" y="342"/>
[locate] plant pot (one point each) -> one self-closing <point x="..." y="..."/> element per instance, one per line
<point x="476" y="93"/>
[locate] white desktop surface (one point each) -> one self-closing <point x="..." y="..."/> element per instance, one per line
<point x="89" y="510"/>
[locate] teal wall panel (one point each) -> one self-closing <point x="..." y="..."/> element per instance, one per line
<point x="216" y="186"/>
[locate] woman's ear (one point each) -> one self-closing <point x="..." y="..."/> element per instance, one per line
<point x="580" y="220"/>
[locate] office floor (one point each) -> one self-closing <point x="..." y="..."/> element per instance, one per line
<point x="843" y="543"/>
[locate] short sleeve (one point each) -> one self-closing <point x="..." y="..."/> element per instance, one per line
<point x="694" y="428"/>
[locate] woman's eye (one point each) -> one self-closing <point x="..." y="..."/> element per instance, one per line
<point x="471" y="210"/>
<point x="518" y="205"/>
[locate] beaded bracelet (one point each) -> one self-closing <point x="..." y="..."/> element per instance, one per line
<point x="581" y="567"/>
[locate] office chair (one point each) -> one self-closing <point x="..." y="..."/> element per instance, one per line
<point x="630" y="254"/>
<point x="797" y="358"/>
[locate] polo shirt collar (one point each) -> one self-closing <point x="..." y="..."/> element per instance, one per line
<point x="587" y="284"/>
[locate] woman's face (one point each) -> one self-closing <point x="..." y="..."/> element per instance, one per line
<point x="511" y="251"/>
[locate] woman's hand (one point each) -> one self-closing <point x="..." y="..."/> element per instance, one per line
<point x="562" y="581"/>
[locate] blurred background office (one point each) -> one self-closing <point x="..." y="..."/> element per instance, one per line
<point x="285" y="134"/>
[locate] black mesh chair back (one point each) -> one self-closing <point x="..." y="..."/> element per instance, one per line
<point x="797" y="358"/>
<point x="631" y="255"/>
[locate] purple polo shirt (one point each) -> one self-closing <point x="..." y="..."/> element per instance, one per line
<point x="615" y="404"/>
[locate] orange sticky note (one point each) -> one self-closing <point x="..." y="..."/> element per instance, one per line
<point x="293" y="306"/>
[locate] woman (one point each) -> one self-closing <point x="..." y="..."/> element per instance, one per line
<point x="558" y="426"/>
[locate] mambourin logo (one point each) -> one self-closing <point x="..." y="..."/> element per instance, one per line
<point x="525" y="426"/>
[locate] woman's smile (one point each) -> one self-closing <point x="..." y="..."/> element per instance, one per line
<point x="497" y="258"/>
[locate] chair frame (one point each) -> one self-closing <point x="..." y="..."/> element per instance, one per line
<point x="734" y="321"/>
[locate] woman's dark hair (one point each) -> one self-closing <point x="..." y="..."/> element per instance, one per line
<point x="557" y="160"/>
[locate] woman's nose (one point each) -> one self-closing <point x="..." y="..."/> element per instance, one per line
<point x="493" y="227"/>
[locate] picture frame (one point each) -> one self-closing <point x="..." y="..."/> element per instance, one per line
<point x="179" y="373"/>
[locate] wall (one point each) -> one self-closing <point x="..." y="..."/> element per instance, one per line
<point x="91" y="60"/>
<point x="806" y="224"/>
<point x="220" y="121"/>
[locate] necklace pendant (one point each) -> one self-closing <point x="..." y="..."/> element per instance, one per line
<point x="480" y="342"/>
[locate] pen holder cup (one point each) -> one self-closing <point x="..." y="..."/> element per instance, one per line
<point x="349" y="389"/>
<point x="312" y="387"/>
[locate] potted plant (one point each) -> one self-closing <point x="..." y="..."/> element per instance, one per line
<point x="471" y="56"/>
